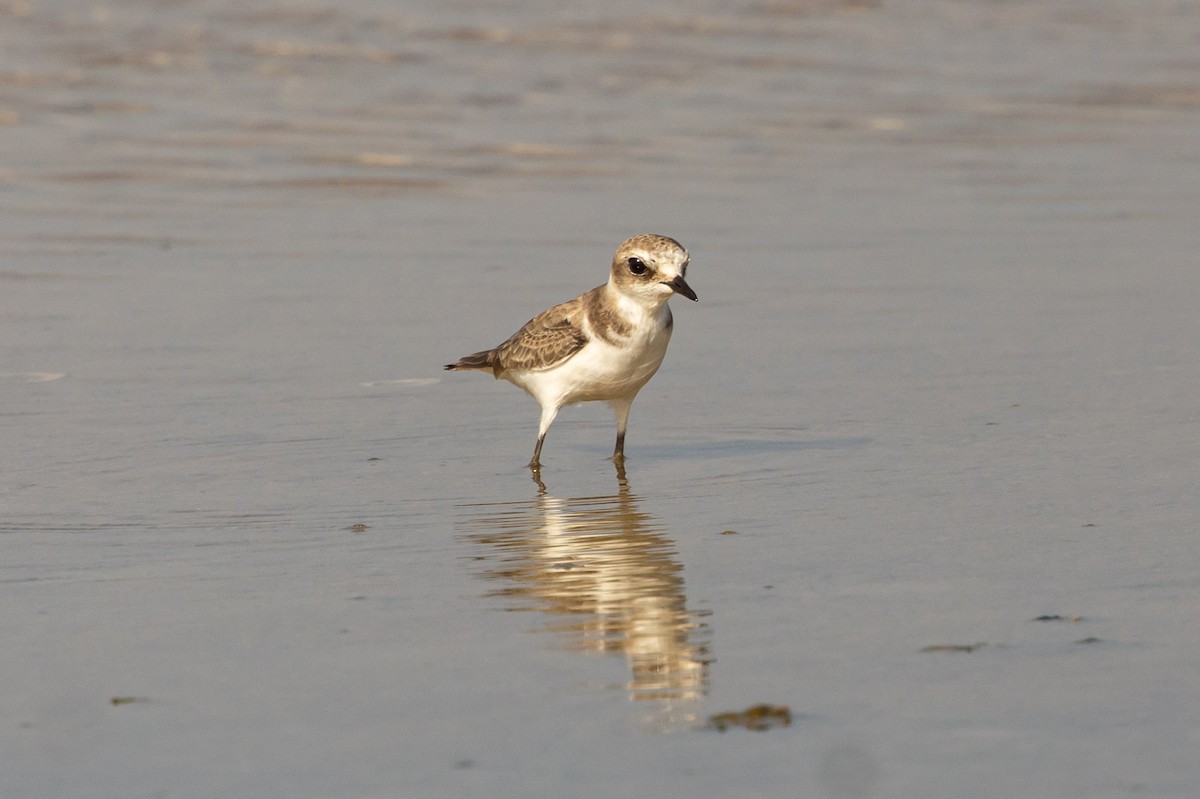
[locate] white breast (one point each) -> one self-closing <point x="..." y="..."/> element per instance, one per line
<point x="603" y="371"/>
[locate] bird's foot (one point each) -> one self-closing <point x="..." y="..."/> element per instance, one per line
<point x="535" y="471"/>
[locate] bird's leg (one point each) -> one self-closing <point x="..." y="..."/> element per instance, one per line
<point x="548" y="414"/>
<point x="621" y="407"/>
<point x="536" y="463"/>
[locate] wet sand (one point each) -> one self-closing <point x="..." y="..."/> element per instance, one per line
<point x="941" y="382"/>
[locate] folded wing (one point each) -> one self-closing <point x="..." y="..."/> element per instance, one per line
<point x="545" y="341"/>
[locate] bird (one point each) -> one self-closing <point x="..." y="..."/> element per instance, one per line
<point x="602" y="346"/>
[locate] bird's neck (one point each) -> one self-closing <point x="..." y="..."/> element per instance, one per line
<point x="635" y="306"/>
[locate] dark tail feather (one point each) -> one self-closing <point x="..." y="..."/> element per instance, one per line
<point x="476" y="360"/>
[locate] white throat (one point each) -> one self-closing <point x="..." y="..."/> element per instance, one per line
<point x="633" y="304"/>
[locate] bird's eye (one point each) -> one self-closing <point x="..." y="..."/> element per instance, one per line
<point x="636" y="266"/>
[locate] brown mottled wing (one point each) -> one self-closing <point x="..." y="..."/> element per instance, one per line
<point x="546" y="340"/>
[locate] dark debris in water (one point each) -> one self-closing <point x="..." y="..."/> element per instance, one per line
<point x="758" y="718"/>
<point x="117" y="701"/>
<point x="953" y="647"/>
<point x="1056" y="617"/>
<point x="1091" y="639"/>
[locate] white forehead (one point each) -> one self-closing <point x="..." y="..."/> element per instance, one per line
<point x="663" y="253"/>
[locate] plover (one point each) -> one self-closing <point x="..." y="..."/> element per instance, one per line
<point x="604" y="345"/>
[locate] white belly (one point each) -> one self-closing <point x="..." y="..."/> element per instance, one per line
<point x="600" y="371"/>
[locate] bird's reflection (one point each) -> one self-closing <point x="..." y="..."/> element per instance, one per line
<point x="608" y="580"/>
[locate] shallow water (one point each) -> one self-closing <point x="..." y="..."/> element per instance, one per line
<point x="941" y="381"/>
